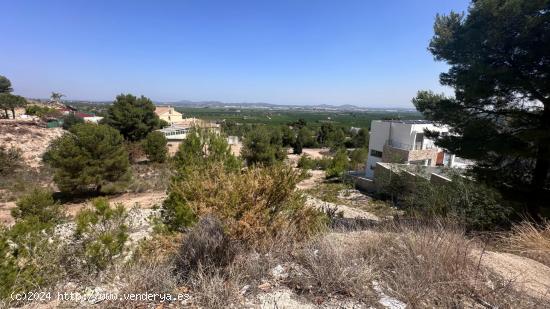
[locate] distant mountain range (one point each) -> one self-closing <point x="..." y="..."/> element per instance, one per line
<point x="262" y="105"/>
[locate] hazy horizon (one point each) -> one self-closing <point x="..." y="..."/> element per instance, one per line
<point x="286" y="52"/>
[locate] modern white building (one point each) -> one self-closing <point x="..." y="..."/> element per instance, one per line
<point x="175" y="133"/>
<point x="403" y="141"/>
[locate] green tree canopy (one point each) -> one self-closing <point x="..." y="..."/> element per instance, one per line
<point x="90" y="157"/>
<point x="500" y="114"/>
<point x="261" y="146"/>
<point x="70" y="120"/>
<point x="338" y="165"/>
<point x="360" y="139"/>
<point x="56" y="97"/>
<point x="133" y="117"/>
<point x="155" y="147"/>
<point x="9" y="101"/>
<point x="201" y="149"/>
<point x="5" y="85"/>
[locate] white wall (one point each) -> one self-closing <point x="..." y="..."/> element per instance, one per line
<point x="379" y="132"/>
<point x="401" y="133"/>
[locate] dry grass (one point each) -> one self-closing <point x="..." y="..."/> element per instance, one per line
<point x="423" y="266"/>
<point x="437" y="266"/>
<point x="150" y="177"/>
<point x="214" y="289"/>
<point x="345" y="194"/>
<point x="326" y="268"/>
<point x="206" y="247"/>
<point x="531" y="240"/>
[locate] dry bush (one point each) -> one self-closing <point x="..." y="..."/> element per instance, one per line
<point x="159" y="248"/>
<point x="135" y="152"/>
<point x="423" y="266"/>
<point x="215" y="268"/>
<point x="437" y="266"/>
<point x="149" y="276"/>
<point x="150" y="177"/>
<point x="326" y="268"/>
<point x="214" y="289"/>
<point x="531" y="240"/>
<point x="205" y="247"/>
<point x="254" y="206"/>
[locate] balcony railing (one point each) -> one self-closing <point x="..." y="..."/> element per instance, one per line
<point x="404" y="146"/>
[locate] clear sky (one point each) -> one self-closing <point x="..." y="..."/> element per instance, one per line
<point x="364" y="52"/>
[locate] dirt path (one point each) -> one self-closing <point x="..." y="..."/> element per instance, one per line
<point x="129" y="200"/>
<point x="526" y="275"/>
<point x="316" y="178"/>
<point x="142" y="200"/>
<point x="5" y="213"/>
<point x="348" y="212"/>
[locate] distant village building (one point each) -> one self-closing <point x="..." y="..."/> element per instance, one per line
<point x="179" y="127"/>
<point x="168" y="114"/>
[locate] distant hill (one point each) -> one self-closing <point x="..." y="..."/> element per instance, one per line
<point x="262" y="105"/>
<point x="257" y="105"/>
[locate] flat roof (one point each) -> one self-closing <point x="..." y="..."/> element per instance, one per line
<point x="419" y="121"/>
<point x="173" y="129"/>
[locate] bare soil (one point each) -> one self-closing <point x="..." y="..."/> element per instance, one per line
<point x="30" y="137"/>
<point x="525" y="275"/>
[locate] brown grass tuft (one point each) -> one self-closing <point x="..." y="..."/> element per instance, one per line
<point x="531" y="240"/>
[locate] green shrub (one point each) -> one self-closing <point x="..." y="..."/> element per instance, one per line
<point x="41" y="111"/>
<point x="338" y="165"/>
<point x="30" y="257"/>
<point x="92" y="157"/>
<point x="155" y="147"/>
<point x="39" y="204"/>
<point x="323" y="163"/>
<point x="261" y="146"/>
<point x="256" y="205"/>
<point x="202" y="149"/>
<point x="102" y="233"/>
<point x="464" y="201"/>
<point x="358" y="158"/>
<point x="10" y="159"/>
<point x="307" y="163"/>
<point x="70" y="120"/>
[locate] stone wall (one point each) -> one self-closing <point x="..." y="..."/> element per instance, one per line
<point x="394" y="155"/>
<point x="423" y="154"/>
<point x="397" y="155"/>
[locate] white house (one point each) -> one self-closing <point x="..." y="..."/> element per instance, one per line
<point x="403" y="141"/>
<point x="175" y="133"/>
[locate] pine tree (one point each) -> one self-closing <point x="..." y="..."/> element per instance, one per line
<point x="500" y="114"/>
<point x="91" y="157"/>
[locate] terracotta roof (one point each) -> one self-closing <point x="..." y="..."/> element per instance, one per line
<point x="159" y="110"/>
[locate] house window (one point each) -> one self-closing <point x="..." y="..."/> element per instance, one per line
<point x="376" y="153"/>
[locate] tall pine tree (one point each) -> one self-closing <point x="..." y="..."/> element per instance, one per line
<point x="499" y="58"/>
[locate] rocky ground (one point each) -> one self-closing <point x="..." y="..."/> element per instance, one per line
<point x="524" y="274"/>
<point x="30" y="137"/>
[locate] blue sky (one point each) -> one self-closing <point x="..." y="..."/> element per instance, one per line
<point x="366" y="52"/>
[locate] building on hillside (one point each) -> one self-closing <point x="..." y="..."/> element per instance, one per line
<point x="88" y="117"/>
<point x="201" y="124"/>
<point x="92" y="119"/>
<point x="175" y="133"/>
<point x="168" y="114"/>
<point x="403" y="141"/>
